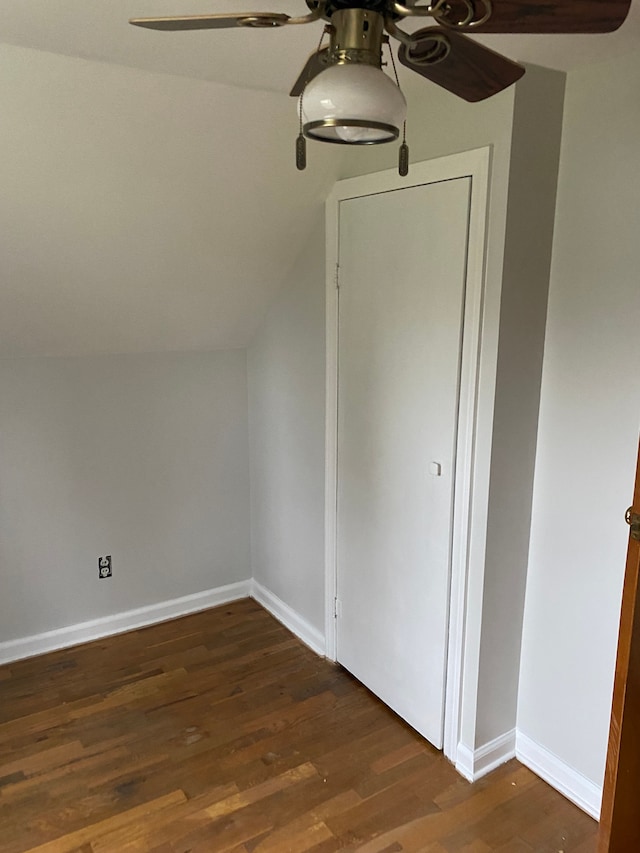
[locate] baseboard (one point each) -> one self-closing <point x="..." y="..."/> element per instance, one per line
<point x="292" y="620"/>
<point x="128" y="620"/>
<point x="464" y="762"/>
<point x="560" y="775"/>
<point x="474" y="764"/>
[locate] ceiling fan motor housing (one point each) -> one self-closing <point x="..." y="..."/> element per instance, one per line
<point x="356" y="37"/>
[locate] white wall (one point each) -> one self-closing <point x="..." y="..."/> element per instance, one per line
<point x="286" y="364"/>
<point x="533" y="175"/>
<point x="589" y="419"/>
<point x="143" y="457"/>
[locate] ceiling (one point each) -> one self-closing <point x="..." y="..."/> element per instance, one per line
<point x="98" y="29"/>
<point x="143" y="212"/>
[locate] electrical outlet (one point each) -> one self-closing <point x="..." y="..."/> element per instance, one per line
<point x="104" y="567"/>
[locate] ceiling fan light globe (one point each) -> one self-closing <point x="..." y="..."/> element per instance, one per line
<point x="359" y="135"/>
<point x="353" y="104"/>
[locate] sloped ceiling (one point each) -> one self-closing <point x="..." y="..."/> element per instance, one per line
<point x="147" y="202"/>
<point x="143" y="212"/>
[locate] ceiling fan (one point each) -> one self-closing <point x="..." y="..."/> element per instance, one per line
<point x="344" y="96"/>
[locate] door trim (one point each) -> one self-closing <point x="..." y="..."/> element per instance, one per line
<point x="467" y="498"/>
<point x="619" y="827"/>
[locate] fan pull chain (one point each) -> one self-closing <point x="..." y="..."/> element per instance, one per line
<point x="301" y="142"/>
<point x="403" y="153"/>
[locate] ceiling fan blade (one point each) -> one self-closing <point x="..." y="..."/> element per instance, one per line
<point x="543" y="16"/>
<point x="468" y="69"/>
<point x="316" y="63"/>
<point x="213" y="22"/>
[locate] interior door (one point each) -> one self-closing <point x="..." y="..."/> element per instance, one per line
<point x="402" y="265"/>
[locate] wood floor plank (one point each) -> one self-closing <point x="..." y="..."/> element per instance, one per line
<point x="171" y="824"/>
<point x="89" y="834"/>
<point x="221" y="733"/>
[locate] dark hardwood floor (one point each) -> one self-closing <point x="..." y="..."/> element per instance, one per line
<point x="222" y="732"/>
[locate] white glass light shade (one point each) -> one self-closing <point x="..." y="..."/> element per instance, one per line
<point x="353" y="104"/>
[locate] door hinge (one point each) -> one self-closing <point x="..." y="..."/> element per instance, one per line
<point x="633" y="520"/>
<point x="337" y="608"/>
<point x="337" y="277"/>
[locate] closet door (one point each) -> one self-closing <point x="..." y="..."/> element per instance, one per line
<point x="402" y="269"/>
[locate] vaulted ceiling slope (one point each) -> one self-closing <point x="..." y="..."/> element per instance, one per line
<point x="143" y="212"/>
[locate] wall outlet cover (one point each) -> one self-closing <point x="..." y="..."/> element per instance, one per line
<point x="104" y="567"/>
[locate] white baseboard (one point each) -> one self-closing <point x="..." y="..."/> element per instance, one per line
<point x="128" y="620"/>
<point x="292" y="620"/>
<point x="464" y="762"/>
<point x="474" y="764"/>
<point x="560" y="775"/>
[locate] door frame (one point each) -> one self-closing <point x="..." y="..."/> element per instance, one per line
<point x="619" y="824"/>
<point x="469" y="503"/>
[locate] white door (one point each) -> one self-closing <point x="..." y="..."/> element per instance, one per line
<point x="402" y="265"/>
